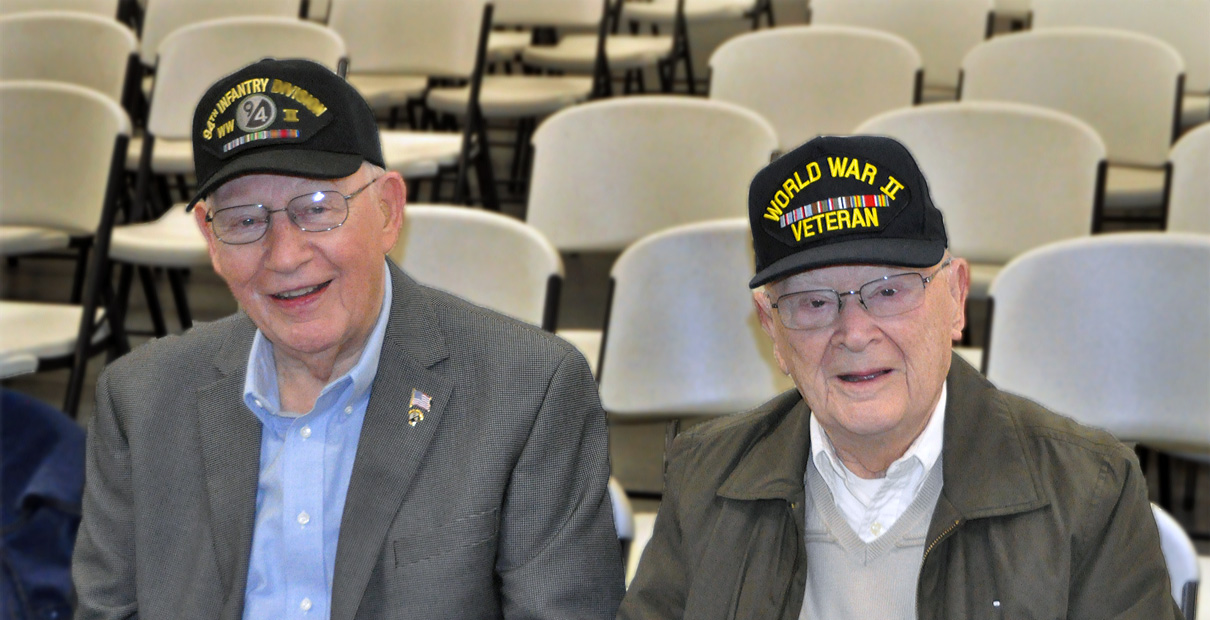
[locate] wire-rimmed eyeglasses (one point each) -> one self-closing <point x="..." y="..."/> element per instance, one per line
<point x="886" y="296"/>
<point x="318" y="211"/>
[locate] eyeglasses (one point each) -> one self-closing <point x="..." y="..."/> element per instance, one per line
<point x="886" y="296"/>
<point x="314" y="212"/>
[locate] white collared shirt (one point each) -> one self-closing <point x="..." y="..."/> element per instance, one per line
<point x="871" y="507"/>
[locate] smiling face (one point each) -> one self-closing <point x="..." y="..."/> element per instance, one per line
<point x="870" y="381"/>
<point x="314" y="295"/>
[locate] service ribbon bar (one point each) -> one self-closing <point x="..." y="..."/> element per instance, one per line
<point x="261" y="135"/>
<point x="832" y="204"/>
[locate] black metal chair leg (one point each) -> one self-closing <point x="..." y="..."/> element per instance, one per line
<point x="176" y="279"/>
<point x="153" y="302"/>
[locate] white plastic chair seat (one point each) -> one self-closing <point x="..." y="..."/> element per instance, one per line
<point x="172" y="240"/>
<point x="664" y="11"/>
<point x="15" y="364"/>
<point x="42" y="330"/>
<point x="972" y="355"/>
<point x="387" y="91"/>
<point x="588" y="341"/>
<point x="1130" y="187"/>
<point x="170" y="156"/>
<point x="419" y="154"/>
<point x="577" y="53"/>
<point x="504" y="45"/>
<point x="514" y="96"/>
<point x="29" y="239"/>
<point x="1180" y="556"/>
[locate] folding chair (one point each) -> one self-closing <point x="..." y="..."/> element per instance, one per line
<point x="1114" y="331"/>
<point x="191" y="59"/>
<point x="1181" y="557"/>
<point x="49" y="130"/>
<point x="678" y="16"/>
<point x="631" y="54"/>
<point x="682" y="338"/>
<point x="100" y="8"/>
<point x="68" y="46"/>
<point x="1009" y="177"/>
<point x="609" y="172"/>
<point x="623" y="517"/>
<point x="75" y="48"/>
<point x="521" y="100"/>
<point x="1125" y="85"/>
<point x="942" y="30"/>
<point x="487" y="258"/>
<point x="840" y="76"/>
<point x="1188" y="209"/>
<point x="1180" y="23"/>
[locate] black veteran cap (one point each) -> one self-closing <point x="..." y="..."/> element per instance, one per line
<point x="292" y="117"/>
<point x="842" y="200"/>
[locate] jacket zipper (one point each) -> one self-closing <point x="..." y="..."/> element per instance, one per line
<point x="939" y="538"/>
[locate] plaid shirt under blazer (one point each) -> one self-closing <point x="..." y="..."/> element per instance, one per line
<point x="494" y="506"/>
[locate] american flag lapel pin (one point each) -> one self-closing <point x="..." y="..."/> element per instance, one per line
<point x="420" y="405"/>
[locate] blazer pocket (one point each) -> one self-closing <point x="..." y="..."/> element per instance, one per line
<point x="461" y="533"/>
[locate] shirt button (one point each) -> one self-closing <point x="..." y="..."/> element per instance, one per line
<point x="304" y="518"/>
<point x="305" y="432"/>
<point x="257" y="401"/>
<point x="305" y="605"/>
<point x="348" y="409"/>
<point x="876" y="528"/>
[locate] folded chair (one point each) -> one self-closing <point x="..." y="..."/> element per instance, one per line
<point x="1125" y="85"/>
<point x="61" y="150"/>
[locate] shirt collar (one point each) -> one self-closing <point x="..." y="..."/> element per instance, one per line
<point x="260" y="380"/>
<point x="925" y="449"/>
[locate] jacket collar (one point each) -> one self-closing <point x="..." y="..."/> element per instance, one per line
<point x="988" y="468"/>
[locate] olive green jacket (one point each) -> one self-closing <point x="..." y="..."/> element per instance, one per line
<point x="1039" y="517"/>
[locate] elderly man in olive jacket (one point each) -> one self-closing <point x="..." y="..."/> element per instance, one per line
<point x="895" y="482"/>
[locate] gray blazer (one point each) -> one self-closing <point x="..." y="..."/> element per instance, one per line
<point x="494" y="506"/>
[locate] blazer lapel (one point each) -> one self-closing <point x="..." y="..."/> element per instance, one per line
<point x="230" y="440"/>
<point x="390" y="449"/>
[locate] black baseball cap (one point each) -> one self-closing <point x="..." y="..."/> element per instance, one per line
<point x="840" y="200"/>
<point x="292" y="117"/>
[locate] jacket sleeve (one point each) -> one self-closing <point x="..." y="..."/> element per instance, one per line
<point x="559" y="555"/>
<point x="103" y="569"/>
<point x="661" y="583"/>
<point x="1119" y="571"/>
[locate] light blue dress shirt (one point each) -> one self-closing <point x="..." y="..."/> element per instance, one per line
<point x="305" y="464"/>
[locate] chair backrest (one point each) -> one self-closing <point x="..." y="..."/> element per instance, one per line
<point x="1112" y="330"/>
<point x="608" y="172"/>
<point x="1188" y="208"/>
<point x="418" y="37"/>
<point x="490" y="259"/>
<point x="570" y="13"/>
<point x="839" y="77"/>
<point x="1181" y="557"/>
<point x="1126" y="85"/>
<point x="102" y="8"/>
<point x="67" y="46"/>
<point x="1009" y="177"/>
<point x="57" y="144"/>
<point x="682" y="336"/>
<point x="194" y="57"/>
<point x="942" y="30"/>
<point x="164" y="16"/>
<point x="1180" y="23"/>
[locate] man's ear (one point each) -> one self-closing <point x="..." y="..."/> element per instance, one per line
<point x="199" y="216"/>
<point x="764" y="313"/>
<point x="392" y="201"/>
<point x="959" y="288"/>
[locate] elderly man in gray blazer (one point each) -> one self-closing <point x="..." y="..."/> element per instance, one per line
<point x="350" y="444"/>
